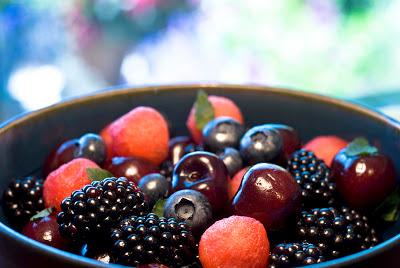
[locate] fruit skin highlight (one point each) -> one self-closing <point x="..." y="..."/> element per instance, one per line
<point x="261" y="144"/>
<point x="234" y="242"/>
<point x="222" y="107"/>
<point x="295" y="254"/>
<point x="206" y="173"/>
<point x="23" y="199"/>
<point x="314" y="177"/>
<point x="94" y="210"/>
<point x="69" y="177"/>
<point x="143" y="133"/>
<point x="269" y="194"/>
<point x="45" y="230"/>
<point x="365" y="179"/>
<point x="150" y="239"/>
<point x="336" y="231"/>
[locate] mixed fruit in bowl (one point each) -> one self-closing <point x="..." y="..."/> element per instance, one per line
<point x="228" y="195"/>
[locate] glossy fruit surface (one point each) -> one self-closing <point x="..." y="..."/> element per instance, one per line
<point x="261" y="144"/>
<point x="222" y="132"/>
<point x="45" y="230"/>
<point x="222" y="106"/>
<point x="154" y="186"/>
<point x="132" y="168"/>
<point x="206" y="173"/>
<point x="23" y="199"/>
<point x="190" y="206"/>
<point x="363" y="181"/>
<point x="317" y="186"/>
<point x="269" y="194"/>
<point x="60" y="156"/>
<point x="150" y="239"/>
<point x="91" y="146"/>
<point x="91" y="212"/>
<point x="290" y="138"/>
<point x="232" y="160"/>
<point x="177" y="147"/>
<point x="295" y="254"/>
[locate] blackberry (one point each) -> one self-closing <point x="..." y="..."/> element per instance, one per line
<point x="98" y="206"/>
<point x="337" y="232"/>
<point x="23" y="199"/>
<point x="295" y="254"/>
<point x="313" y="176"/>
<point x="149" y="239"/>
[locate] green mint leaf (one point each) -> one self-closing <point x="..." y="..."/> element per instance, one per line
<point x="158" y="208"/>
<point x="389" y="209"/>
<point x="98" y="174"/>
<point x="203" y="110"/>
<point x="44" y="213"/>
<point x="359" y="147"/>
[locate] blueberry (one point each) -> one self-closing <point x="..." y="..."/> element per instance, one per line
<point x="222" y="132"/>
<point x="154" y="186"/>
<point x="91" y="146"/>
<point x="261" y="144"/>
<point x="232" y="160"/>
<point x="190" y="206"/>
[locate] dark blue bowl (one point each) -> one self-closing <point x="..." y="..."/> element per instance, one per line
<point x="25" y="141"/>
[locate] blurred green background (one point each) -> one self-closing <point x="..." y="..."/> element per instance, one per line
<point x="50" y="50"/>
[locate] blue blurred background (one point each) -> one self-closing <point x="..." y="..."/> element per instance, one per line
<point x="50" y="50"/>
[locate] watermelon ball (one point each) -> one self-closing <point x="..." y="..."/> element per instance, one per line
<point x="236" y="241"/>
<point x="143" y="133"/>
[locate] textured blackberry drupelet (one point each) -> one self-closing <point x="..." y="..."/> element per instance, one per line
<point x="96" y="208"/>
<point x="149" y="239"/>
<point x="295" y="254"/>
<point x="337" y="232"/>
<point x="23" y="199"/>
<point x="313" y="176"/>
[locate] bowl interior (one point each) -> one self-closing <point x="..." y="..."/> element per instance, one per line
<point x="27" y="140"/>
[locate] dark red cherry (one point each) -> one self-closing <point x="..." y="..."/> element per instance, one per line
<point x="177" y="147"/>
<point x="269" y="194"/>
<point x="290" y="138"/>
<point x="363" y="179"/>
<point x="132" y="168"/>
<point x="45" y="230"/>
<point x="61" y="155"/>
<point x="206" y="173"/>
